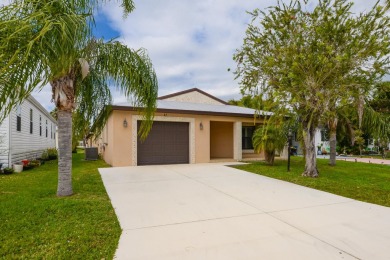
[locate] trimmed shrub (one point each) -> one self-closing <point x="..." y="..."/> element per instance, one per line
<point x="52" y="153"/>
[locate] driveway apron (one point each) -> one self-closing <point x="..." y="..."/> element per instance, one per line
<point x="212" y="211"/>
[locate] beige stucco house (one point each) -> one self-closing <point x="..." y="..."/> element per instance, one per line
<point x="191" y="126"/>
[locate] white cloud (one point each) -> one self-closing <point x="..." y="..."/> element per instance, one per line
<point x="191" y="43"/>
<point x="44" y="97"/>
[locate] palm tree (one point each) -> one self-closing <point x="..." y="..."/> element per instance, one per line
<point x="50" y="42"/>
<point x="269" y="138"/>
<point x="353" y="122"/>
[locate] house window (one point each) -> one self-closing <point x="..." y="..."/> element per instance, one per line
<point x="324" y="135"/>
<point x="40" y="125"/>
<point x="247" y="133"/>
<point x="31" y="121"/>
<point x="51" y="131"/>
<point x="18" y="118"/>
<point x="46" y="128"/>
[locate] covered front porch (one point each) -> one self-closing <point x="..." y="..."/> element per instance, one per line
<point x="232" y="141"/>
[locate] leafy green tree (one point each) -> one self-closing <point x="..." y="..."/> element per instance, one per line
<point x="370" y="114"/>
<point x="256" y="102"/>
<point x="51" y="42"/>
<point x="359" y="140"/>
<point x="310" y="60"/>
<point x="376" y="121"/>
<point x="374" y="125"/>
<point x="270" y="138"/>
<point x="380" y="100"/>
<point x="247" y="101"/>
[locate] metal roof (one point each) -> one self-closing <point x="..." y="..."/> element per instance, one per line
<point x="164" y="105"/>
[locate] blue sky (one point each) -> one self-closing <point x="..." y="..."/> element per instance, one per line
<point x="191" y="43"/>
<point x="104" y="28"/>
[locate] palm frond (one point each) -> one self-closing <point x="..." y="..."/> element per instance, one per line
<point x="269" y="138"/>
<point x="91" y="5"/>
<point x="92" y="97"/>
<point x="132" y="73"/>
<point x="39" y="41"/>
<point x="376" y="124"/>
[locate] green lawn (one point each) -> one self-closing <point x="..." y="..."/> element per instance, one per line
<point x="360" y="181"/>
<point x="35" y="224"/>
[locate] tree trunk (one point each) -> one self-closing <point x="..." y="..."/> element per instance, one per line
<point x="332" y="141"/>
<point x="65" y="153"/>
<point x="303" y="147"/>
<point x="63" y="97"/>
<point x="310" y="155"/>
<point x="269" y="157"/>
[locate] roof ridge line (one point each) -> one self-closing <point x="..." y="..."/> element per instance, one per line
<point x="191" y="90"/>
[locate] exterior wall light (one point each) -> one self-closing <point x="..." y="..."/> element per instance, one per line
<point x="124" y="123"/>
<point x="201" y="126"/>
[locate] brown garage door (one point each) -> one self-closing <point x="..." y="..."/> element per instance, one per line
<point x="167" y="143"/>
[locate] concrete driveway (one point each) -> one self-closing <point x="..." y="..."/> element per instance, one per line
<point x="210" y="211"/>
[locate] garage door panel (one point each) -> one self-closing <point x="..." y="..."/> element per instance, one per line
<point x="167" y="143"/>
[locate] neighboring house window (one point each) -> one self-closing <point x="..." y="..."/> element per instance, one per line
<point x="31" y="121"/>
<point x="46" y="128"/>
<point x="324" y="135"/>
<point x="247" y="133"/>
<point x="40" y="125"/>
<point x="19" y="119"/>
<point x="51" y="131"/>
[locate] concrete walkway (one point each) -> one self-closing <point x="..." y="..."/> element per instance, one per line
<point x="210" y="211"/>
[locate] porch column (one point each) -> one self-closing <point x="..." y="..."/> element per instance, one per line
<point x="237" y="141"/>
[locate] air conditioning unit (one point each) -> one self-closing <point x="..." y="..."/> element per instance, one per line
<point x="91" y="153"/>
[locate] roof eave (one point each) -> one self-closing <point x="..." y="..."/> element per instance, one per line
<point x="41" y="108"/>
<point x="191" y="112"/>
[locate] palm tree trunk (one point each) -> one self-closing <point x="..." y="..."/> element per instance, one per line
<point x="269" y="157"/>
<point x="63" y="97"/>
<point x="332" y="144"/>
<point x="332" y="141"/>
<point x="65" y="153"/>
<point x="310" y="155"/>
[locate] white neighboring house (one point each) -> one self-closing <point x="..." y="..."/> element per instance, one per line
<point x="27" y="131"/>
<point x="320" y="140"/>
<point x="322" y="143"/>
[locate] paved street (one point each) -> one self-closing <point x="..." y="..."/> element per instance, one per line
<point x="357" y="159"/>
